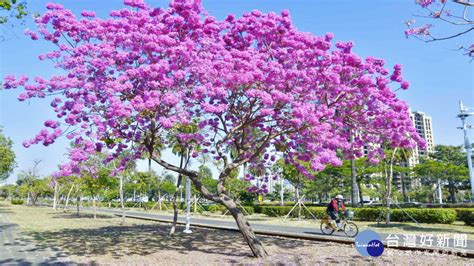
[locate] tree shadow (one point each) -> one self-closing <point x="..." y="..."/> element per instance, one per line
<point x="8" y="226"/>
<point x="5" y="210"/>
<point x="143" y="240"/>
<point x="69" y="215"/>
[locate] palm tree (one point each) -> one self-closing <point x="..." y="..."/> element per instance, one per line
<point x="403" y="157"/>
<point x="183" y="150"/>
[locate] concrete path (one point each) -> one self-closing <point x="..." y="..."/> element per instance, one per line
<point x="301" y="231"/>
<point x="17" y="249"/>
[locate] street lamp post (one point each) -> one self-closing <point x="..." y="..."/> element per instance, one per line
<point x="467" y="145"/>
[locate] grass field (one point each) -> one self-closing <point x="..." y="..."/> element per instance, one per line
<point x="105" y="241"/>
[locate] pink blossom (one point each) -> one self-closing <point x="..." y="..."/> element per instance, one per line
<point x="254" y="85"/>
<point x="87" y="13"/>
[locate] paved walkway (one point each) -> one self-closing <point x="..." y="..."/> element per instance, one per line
<point x="295" y="230"/>
<point x="17" y="249"/>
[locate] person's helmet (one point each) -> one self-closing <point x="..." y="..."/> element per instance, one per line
<point x="339" y="197"/>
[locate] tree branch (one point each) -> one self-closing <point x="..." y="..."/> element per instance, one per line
<point x="449" y="37"/>
<point x="463" y="2"/>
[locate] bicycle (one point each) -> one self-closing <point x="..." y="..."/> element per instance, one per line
<point x="349" y="228"/>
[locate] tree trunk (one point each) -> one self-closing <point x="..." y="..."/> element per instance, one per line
<point x="404" y="190"/>
<point x="452" y="191"/>
<point x="122" y="205"/>
<point x="175" y="207"/>
<point x="78" y="199"/>
<point x="282" y="191"/>
<point x="55" y="197"/>
<point x="242" y="223"/>
<point x="175" y="195"/>
<point x="94" y="208"/>
<point x="159" y="200"/>
<point x="361" y="198"/>
<point x="68" y="197"/>
<point x="388" y="186"/>
<point x="354" y="186"/>
<point x="195" y="204"/>
<point x="255" y="245"/>
<point x="298" y="201"/>
<point x="440" y="192"/>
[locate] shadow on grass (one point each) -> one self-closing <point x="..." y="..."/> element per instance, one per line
<point x="423" y="228"/>
<point x="5" y="210"/>
<point x="69" y="215"/>
<point x="143" y="240"/>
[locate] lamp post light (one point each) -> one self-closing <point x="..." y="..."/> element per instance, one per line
<point x="464" y="113"/>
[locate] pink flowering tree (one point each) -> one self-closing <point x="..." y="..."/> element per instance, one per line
<point x="455" y="12"/>
<point x="256" y="87"/>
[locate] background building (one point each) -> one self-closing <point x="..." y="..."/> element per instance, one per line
<point x="424" y="127"/>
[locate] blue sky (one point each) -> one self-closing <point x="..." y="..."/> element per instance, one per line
<point x="439" y="76"/>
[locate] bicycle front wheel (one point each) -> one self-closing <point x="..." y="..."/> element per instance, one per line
<point x="351" y="229"/>
<point x="326" y="228"/>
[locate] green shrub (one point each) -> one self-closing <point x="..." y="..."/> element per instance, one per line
<point x="441" y="216"/>
<point x="460" y="211"/>
<point x="214" y="208"/>
<point x="278" y="211"/>
<point x="274" y="211"/>
<point x="17" y="201"/>
<point x="248" y="210"/>
<point x="367" y="214"/>
<point x="467" y="216"/>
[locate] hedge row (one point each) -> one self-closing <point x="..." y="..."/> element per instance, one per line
<point x="443" y="216"/>
<point x="277" y="211"/>
<point x="215" y="208"/>
<point x="422" y="215"/>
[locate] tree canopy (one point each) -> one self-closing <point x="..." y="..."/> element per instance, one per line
<point x="7" y="157"/>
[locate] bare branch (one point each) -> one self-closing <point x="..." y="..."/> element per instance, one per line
<point x="449" y="37"/>
<point x="463" y="2"/>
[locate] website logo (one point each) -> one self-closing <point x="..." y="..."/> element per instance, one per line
<point x="369" y="243"/>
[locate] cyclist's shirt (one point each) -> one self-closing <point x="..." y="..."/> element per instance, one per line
<point x="335" y="206"/>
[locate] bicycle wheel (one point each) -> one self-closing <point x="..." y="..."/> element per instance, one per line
<point x="326" y="228"/>
<point x="351" y="229"/>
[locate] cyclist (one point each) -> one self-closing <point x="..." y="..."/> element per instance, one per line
<point x="335" y="209"/>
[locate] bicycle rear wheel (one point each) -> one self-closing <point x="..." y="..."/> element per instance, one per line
<point x="351" y="229"/>
<point x="326" y="228"/>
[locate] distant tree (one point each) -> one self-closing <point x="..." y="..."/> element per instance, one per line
<point x="9" y="191"/>
<point x="276" y="194"/>
<point x="26" y="179"/>
<point x="447" y="163"/>
<point x="12" y="12"/>
<point x="327" y="183"/>
<point x="456" y="172"/>
<point x="7" y="157"/>
<point x="12" y="9"/>
<point x="168" y="185"/>
<point x="96" y="177"/>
